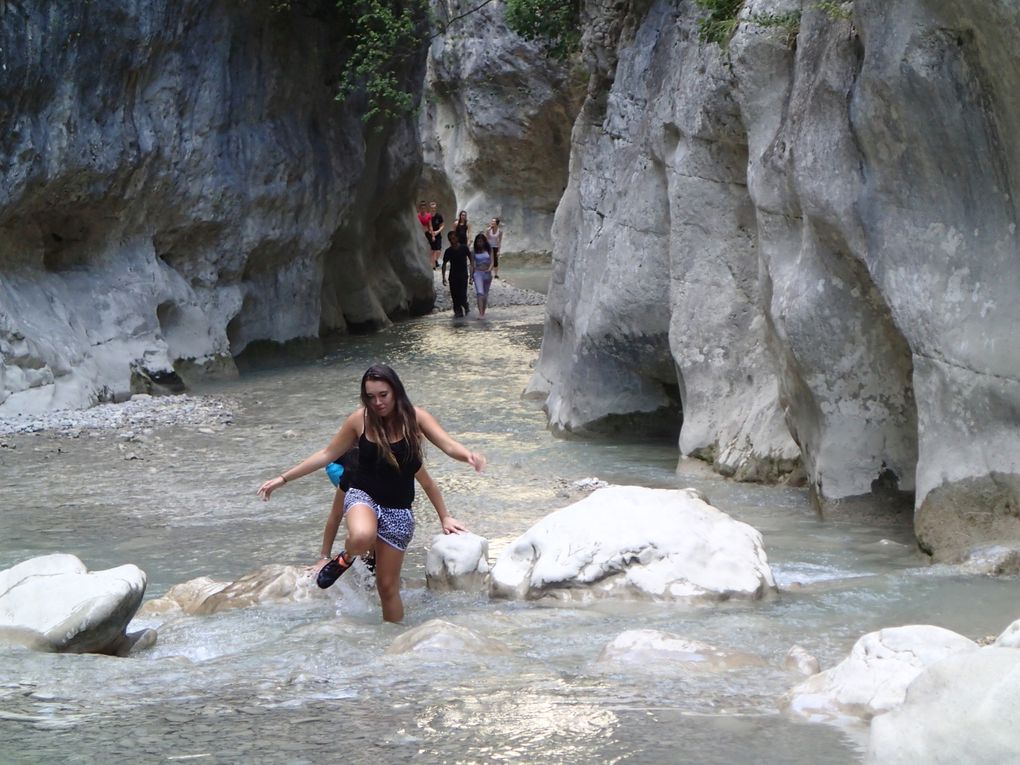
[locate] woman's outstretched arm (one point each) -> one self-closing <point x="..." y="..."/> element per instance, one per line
<point x="450" y="524"/>
<point x="338" y="445"/>
<point x="434" y="432"/>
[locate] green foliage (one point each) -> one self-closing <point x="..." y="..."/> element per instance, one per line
<point x="789" y="22"/>
<point x="385" y="36"/>
<point x="719" y="24"/>
<point x="555" y="23"/>
<point x="835" y="10"/>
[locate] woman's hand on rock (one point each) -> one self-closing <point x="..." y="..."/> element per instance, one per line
<point x="452" y="526"/>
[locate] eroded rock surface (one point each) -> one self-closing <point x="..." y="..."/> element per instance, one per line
<point x="963" y="709"/>
<point x="54" y="603"/>
<point x="457" y="562"/>
<point x="496" y="124"/>
<point x="633" y="542"/>
<point x="808" y="249"/>
<point x="180" y="182"/>
<point x="875" y="676"/>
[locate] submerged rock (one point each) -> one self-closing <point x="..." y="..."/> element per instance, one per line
<point x="633" y="542"/>
<point x="656" y="651"/>
<point x="54" y="603"/>
<point x="457" y="562"/>
<point x="442" y="637"/>
<point x="274" y="583"/>
<point x="875" y="676"/>
<point x="799" y="660"/>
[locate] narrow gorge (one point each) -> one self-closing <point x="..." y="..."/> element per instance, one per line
<point x="797" y="249"/>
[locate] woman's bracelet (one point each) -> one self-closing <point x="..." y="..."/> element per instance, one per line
<point x="283" y="478"/>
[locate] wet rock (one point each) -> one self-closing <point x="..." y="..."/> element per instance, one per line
<point x="53" y="603"/>
<point x="656" y="651"/>
<point x="875" y="676"/>
<point x="446" y="639"/>
<point x="962" y="709"/>
<point x="799" y="660"/>
<point x="1010" y="637"/>
<point x="633" y="542"/>
<point x="273" y="583"/>
<point x="457" y="562"/>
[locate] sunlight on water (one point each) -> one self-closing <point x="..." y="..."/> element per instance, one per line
<point x="309" y="681"/>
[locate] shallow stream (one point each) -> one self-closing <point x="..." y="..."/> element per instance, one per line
<point x="309" y="682"/>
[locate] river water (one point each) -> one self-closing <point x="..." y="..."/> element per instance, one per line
<point x="309" y="682"/>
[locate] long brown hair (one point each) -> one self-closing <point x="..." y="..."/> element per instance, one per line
<point x="403" y="411"/>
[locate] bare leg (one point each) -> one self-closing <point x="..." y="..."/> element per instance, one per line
<point x="388" y="562"/>
<point x="336" y="514"/>
<point x="361" y="530"/>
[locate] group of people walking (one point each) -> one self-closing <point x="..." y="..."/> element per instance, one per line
<point x="478" y="263"/>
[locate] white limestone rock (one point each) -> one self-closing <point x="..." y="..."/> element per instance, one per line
<point x="457" y="562"/>
<point x="809" y="279"/>
<point x="963" y="710"/>
<point x="150" y="240"/>
<point x="53" y="603"/>
<point x="445" y="640"/>
<point x="654" y="651"/>
<point x="874" y="678"/>
<point x="1010" y="637"/>
<point x="633" y="542"/>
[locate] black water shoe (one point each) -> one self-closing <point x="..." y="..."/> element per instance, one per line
<point x="332" y="570"/>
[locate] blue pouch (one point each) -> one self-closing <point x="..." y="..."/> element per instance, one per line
<point x="335" y="470"/>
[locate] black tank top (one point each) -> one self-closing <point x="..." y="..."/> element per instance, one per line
<point x="389" y="486"/>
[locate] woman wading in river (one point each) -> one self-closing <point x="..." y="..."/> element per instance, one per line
<point x="388" y="431"/>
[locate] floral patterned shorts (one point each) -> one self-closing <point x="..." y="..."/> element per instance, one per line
<point x="395" y="524"/>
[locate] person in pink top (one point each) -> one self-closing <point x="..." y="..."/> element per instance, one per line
<point x="425" y="219"/>
<point x="494" y="236"/>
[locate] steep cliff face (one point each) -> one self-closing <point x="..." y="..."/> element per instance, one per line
<point x="495" y="125"/>
<point x="178" y="181"/>
<point x="821" y="237"/>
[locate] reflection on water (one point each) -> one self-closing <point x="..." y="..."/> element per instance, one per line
<point x="308" y="681"/>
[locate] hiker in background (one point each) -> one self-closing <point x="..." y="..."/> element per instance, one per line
<point x="481" y="272"/>
<point x="437" y="234"/>
<point x="425" y="219"/>
<point x="462" y="228"/>
<point x="494" y="236"/>
<point x="458" y="257"/>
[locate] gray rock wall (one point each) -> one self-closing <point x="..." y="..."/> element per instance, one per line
<point x="495" y="126"/>
<point x="819" y="238"/>
<point x="177" y="182"/>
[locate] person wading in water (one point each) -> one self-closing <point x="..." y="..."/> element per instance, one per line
<point x="388" y="430"/>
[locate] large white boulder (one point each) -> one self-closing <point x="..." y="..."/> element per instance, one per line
<point x="963" y="710"/>
<point x="54" y="603"/>
<point x="628" y="541"/>
<point x="874" y="677"/>
<point x="457" y="562"/>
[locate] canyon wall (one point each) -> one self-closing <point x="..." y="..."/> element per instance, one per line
<point x="495" y="124"/>
<point x="179" y="181"/>
<point x="809" y="238"/>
